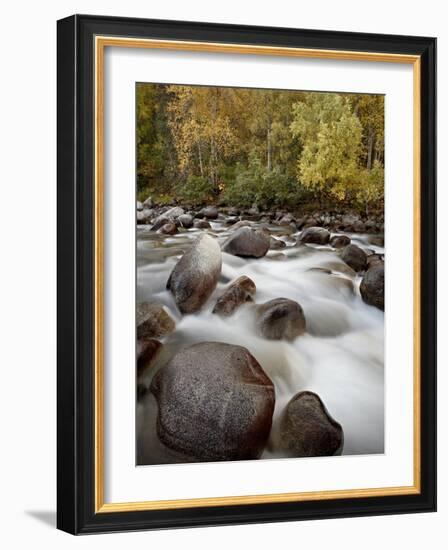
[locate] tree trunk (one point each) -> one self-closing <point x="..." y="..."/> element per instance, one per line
<point x="201" y="166"/>
<point x="370" y="146"/>
<point x="269" y="148"/>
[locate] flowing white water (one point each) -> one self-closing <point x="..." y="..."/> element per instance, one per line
<point x="341" y="357"/>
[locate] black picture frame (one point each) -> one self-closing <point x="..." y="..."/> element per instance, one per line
<point x="76" y="263"/>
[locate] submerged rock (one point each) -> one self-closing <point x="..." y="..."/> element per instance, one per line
<point x="339" y="241"/>
<point x="239" y="292"/>
<point x="196" y="274"/>
<point x="215" y="402"/>
<point x="307" y="429"/>
<point x="315" y="235"/>
<point x="153" y="321"/>
<point x="280" y="318"/>
<point x="372" y="286"/>
<point x="354" y="257"/>
<point x="247" y="242"/>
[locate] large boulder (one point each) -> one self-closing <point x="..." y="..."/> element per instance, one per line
<point x="247" y="242"/>
<point x="354" y="257"/>
<point x="315" y="235"/>
<point x="280" y="319"/>
<point x="307" y="429"/>
<point x="240" y="291"/>
<point x="215" y="402"/>
<point x="196" y="274"/>
<point x="153" y="321"/>
<point x="339" y="241"/>
<point x="372" y="286"/>
<point x="209" y="212"/>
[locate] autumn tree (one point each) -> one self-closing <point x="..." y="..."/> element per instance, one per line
<point x="330" y="135"/>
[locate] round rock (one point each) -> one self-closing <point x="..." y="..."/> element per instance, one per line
<point x="307" y="429"/>
<point x="215" y="402"/>
<point x="247" y="242"/>
<point x="280" y="319"/>
<point x="372" y="286"/>
<point x="196" y="274"/>
<point x="315" y="235"/>
<point x="354" y="257"/>
<point x="339" y="241"/>
<point x="209" y="212"/>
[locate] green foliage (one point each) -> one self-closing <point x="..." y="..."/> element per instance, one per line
<point x="196" y="190"/>
<point x="267" y="188"/>
<point x="331" y="138"/>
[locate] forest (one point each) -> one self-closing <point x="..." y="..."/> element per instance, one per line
<point x="238" y="147"/>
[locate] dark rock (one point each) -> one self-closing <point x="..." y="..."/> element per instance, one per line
<point x="168" y="229"/>
<point x="239" y="292"/>
<point x="185" y="220"/>
<point x="153" y="321"/>
<point x="276" y="244"/>
<point x="376" y="240"/>
<point x="354" y="257"/>
<point x="196" y="274"/>
<point x="215" y="402"/>
<point x="169" y="216"/>
<point x="247" y="242"/>
<point x="375" y="259"/>
<point x="280" y="318"/>
<point x="315" y="235"/>
<point x="339" y="241"/>
<point x="372" y="286"/>
<point x="307" y="429"/>
<point x="209" y="212"/>
<point x="147" y="353"/>
<point x="201" y="224"/>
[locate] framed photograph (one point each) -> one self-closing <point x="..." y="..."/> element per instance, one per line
<point x="246" y="274"/>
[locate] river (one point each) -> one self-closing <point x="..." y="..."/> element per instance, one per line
<point x="341" y="356"/>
